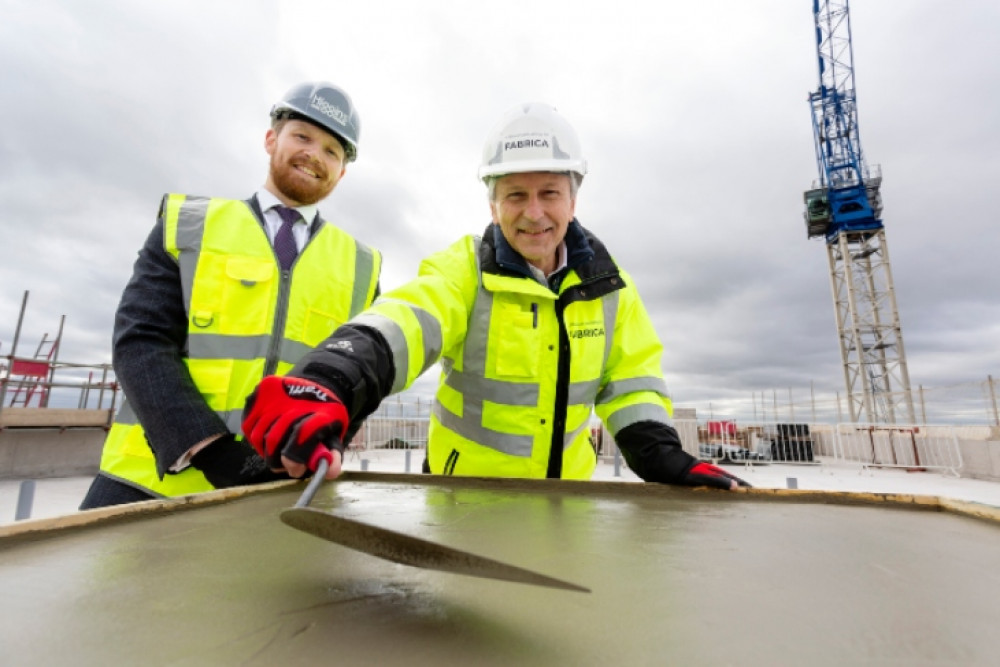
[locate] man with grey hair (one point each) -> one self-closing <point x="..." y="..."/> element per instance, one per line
<point x="535" y="327"/>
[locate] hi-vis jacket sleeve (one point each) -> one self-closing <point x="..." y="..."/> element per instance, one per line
<point x="386" y="348"/>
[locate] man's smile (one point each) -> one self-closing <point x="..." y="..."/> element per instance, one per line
<point x="307" y="170"/>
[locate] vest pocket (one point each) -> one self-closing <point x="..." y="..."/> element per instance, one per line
<point x="517" y="336"/>
<point x="247" y="307"/>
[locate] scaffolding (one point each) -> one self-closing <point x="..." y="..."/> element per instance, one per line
<point x="25" y="379"/>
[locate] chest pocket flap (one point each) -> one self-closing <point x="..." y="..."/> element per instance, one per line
<point x="517" y="338"/>
<point x="249" y="271"/>
<point x="248" y="295"/>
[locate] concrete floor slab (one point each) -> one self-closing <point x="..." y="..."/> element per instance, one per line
<point x="679" y="576"/>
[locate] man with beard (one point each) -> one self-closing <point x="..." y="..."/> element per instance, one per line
<point x="224" y="293"/>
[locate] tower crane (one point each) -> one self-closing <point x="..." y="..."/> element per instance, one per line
<point x="844" y="207"/>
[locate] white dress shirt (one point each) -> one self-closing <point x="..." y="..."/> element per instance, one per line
<point x="272" y="221"/>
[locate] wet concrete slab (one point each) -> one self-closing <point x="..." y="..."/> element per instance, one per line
<point x="678" y="576"/>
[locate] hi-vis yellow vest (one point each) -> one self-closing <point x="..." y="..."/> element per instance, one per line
<point x="522" y="367"/>
<point x="246" y="317"/>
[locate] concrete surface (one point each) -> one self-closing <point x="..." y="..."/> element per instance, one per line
<point x="58" y="496"/>
<point x="679" y="576"/>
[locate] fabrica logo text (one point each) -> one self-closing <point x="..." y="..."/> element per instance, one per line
<point x="596" y="332"/>
<point x="525" y="143"/>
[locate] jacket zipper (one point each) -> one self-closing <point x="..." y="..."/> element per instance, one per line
<point x="278" y="325"/>
<point x="554" y="470"/>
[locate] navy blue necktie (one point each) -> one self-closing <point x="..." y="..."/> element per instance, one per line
<point x="284" y="240"/>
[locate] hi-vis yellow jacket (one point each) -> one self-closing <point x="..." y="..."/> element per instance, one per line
<point x="523" y="366"/>
<point x="246" y="317"/>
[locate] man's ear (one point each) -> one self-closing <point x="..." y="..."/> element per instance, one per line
<point x="270" y="141"/>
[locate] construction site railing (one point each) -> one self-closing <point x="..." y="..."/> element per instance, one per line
<point x="912" y="448"/>
<point x="29" y="383"/>
<point x="380" y="432"/>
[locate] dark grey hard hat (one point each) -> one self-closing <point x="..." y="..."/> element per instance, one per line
<point x="325" y="105"/>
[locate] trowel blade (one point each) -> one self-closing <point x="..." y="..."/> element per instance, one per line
<point x="409" y="550"/>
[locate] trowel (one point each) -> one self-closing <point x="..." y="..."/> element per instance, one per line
<point x="401" y="548"/>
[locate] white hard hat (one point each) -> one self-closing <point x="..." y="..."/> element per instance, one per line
<point x="532" y="137"/>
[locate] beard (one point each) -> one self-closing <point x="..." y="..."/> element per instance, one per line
<point x="297" y="186"/>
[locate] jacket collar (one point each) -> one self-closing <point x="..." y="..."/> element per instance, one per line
<point x="584" y="253"/>
<point x="255" y="205"/>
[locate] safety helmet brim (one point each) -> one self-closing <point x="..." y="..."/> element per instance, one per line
<point x="578" y="167"/>
<point x="326" y="106"/>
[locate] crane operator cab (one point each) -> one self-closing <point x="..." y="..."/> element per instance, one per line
<point x="817" y="213"/>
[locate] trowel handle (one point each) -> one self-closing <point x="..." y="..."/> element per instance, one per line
<point x="321" y="453"/>
<point x="322" y="465"/>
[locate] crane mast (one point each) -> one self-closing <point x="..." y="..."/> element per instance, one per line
<point x="844" y="207"/>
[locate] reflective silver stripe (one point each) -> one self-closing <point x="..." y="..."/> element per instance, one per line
<point x="636" y="413"/>
<point x="190" y="227"/>
<point x="242" y="348"/>
<point x="469" y="426"/>
<point x="126" y="415"/>
<point x="293" y="350"/>
<point x="479" y="389"/>
<point x="215" y="346"/>
<point x="614" y="390"/>
<point x="431" y="333"/>
<point x="233" y="419"/>
<point x="478" y="334"/>
<point x="475" y="387"/>
<point x="583" y="393"/>
<point x="191" y="221"/>
<point x="394" y="336"/>
<point x="568" y="438"/>
<point x="364" y="267"/>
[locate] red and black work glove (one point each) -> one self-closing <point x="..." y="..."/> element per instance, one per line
<point x="227" y="462"/>
<point x="296" y="418"/>
<point x="706" y="474"/>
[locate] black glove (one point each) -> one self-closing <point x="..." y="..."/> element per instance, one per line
<point x="229" y="462"/>
<point x="706" y="474"/>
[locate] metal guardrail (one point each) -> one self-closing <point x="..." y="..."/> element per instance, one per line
<point x="913" y="448"/>
<point x="38" y="393"/>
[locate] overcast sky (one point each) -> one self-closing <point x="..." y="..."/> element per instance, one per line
<point x="693" y="117"/>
